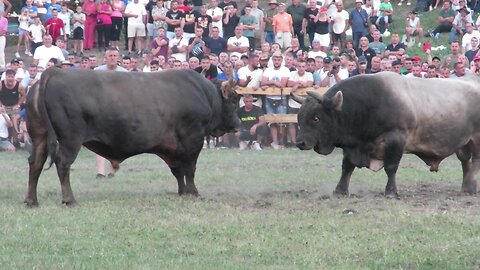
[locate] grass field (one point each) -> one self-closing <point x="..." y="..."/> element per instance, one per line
<point x="257" y="210"/>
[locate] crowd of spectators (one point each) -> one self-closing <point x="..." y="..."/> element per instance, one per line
<point x="317" y="44"/>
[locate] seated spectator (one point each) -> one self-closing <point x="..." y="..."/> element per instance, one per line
<point x="365" y="50"/>
<point x="362" y="67"/>
<point x="159" y="45"/>
<point x="238" y="44"/>
<point x="467" y="38"/>
<point x="385" y="14"/>
<point x="444" y="19"/>
<point x="251" y="76"/>
<point x="371" y="31"/>
<point x="416" y="71"/>
<point x="431" y="72"/>
<point x="227" y="68"/>
<point x="11" y="94"/>
<point x="215" y="44"/>
<point x="458" y="70"/>
<point x="298" y="79"/>
<point x="376" y="64"/>
<point x="459" y="23"/>
<point x="397" y="67"/>
<point x="396" y="47"/>
<point x="196" y="45"/>
<point x="378" y="46"/>
<point x="316" y="50"/>
<point x="454" y="53"/>
<point x="207" y="69"/>
<point x="177" y="46"/>
<point x="470" y="54"/>
<point x="413" y="28"/>
<point x="5" y="125"/>
<point x="253" y="126"/>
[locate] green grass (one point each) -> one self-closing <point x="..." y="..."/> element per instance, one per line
<point x="258" y="210"/>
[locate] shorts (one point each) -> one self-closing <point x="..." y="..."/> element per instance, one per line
<point x="22" y="32"/>
<point x="324" y="39"/>
<point x="284" y="39"/>
<point x="276" y="106"/>
<point x="151" y="29"/>
<point x="136" y="30"/>
<point x="339" y="37"/>
<point x="246" y="136"/>
<point x="78" y="33"/>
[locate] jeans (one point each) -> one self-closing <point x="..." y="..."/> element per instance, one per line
<point x="269" y="37"/>
<point x="300" y="36"/>
<point x="281" y="108"/>
<point x="453" y="34"/>
<point x="357" y="36"/>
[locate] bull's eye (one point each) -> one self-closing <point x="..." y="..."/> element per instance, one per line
<point x="316" y="119"/>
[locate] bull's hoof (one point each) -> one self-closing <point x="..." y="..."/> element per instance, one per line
<point x="70" y="203"/>
<point x="469" y="189"/>
<point x="340" y="192"/>
<point x="391" y="194"/>
<point x="191" y="191"/>
<point x="31" y="203"/>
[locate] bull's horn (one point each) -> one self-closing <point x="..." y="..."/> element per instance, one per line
<point x="297" y="98"/>
<point x="316" y="95"/>
<point x="337" y="101"/>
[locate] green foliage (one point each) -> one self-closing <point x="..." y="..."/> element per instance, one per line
<point x="258" y="210"/>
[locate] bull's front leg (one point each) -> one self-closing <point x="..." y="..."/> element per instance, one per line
<point x="347" y="170"/>
<point x="180" y="176"/>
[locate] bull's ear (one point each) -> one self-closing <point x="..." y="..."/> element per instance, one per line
<point x="316" y="95"/>
<point x="297" y="98"/>
<point x="337" y="101"/>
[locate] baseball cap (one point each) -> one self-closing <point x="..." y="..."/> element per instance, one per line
<point x="277" y="54"/>
<point x="416" y="59"/>
<point x="396" y="63"/>
<point x="438" y="58"/>
<point x="327" y="59"/>
<point x="264" y="56"/>
<point x="358" y="1"/>
<point x="362" y="59"/>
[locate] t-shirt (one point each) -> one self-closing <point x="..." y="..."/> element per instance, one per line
<point x="56" y="25"/>
<point x="79" y="16"/>
<point x="459" y="22"/>
<point x="295" y="77"/>
<point x="137" y="9"/>
<point x="204" y="21"/>
<point x="297" y="13"/>
<point x="211" y="73"/>
<point x="229" y="29"/>
<point x="4" y="126"/>
<point x="214" y="12"/>
<point x="282" y="22"/>
<point x="339" y="20"/>
<point x="223" y="4"/>
<point x="310" y="22"/>
<point x="190" y="17"/>
<point x="197" y="49"/>
<point x="467" y="38"/>
<point x="36" y="32"/>
<point x="379" y="47"/>
<point x="104" y="67"/>
<point x="248" y="20"/>
<point x="66" y="18"/>
<point x="385" y="6"/>
<point x="250" y="118"/>
<point x="43" y="54"/>
<point x="179" y="42"/>
<point x="270" y="13"/>
<point x="163" y="50"/>
<point x="238" y="42"/>
<point x="216" y="46"/>
<point x="276" y="75"/>
<point x="175" y="15"/>
<point x="256" y="76"/>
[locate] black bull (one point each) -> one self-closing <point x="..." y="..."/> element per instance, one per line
<point x="376" y="118"/>
<point x="118" y="115"/>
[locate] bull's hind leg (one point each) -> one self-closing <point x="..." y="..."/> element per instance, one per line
<point x="190" y="169"/>
<point x="67" y="153"/>
<point x="347" y="170"/>
<point x="36" y="161"/>
<point x="470" y="168"/>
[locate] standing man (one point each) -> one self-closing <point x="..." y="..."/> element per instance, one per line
<point x="359" y="22"/>
<point x="137" y="19"/>
<point x="268" y="19"/>
<point x="297" y="11"/>
<point x="340" y="24"/>
<point x="238" y="45"/>
<point x="216" y="44"/>
<point x="190" y="20"/>
<point x="111" y="61"/>
<point x="216" y="13"/>
<point x="175" y="18"/>
<point x="309" y="24"/>
<point x="55" y="26"/>
<point x="283" y="27"/>
<point x="249" y="23"/>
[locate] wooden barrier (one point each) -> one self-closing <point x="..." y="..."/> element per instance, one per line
<point x="274" y="91"/>
<point x="281" y="118"/>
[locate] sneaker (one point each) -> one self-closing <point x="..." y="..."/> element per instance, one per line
<point x="242" y="145"/>
<point x="400" y="4"/>
<point x="256" y="146"/>
<point x="419" y="44"/>
<point x="408" y="3"/>
<point x="275" y="146"/>
<point x="100" y="176"/>
<point x="211" y="144"/>
<point x="111" y="175"/>
<point x="17" y="55"/>
<point x="437" y="35"/>
<point x="29" y="54"/>
<point x="386" y="33"/>
<point x="430" y="34"/>
<point x="205" y="144"/>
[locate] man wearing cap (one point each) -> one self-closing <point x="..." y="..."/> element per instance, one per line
<point x="361" y="67"/>
<point x="297" y="10"/>
<point x="276" y="76"/>
<point x="476" y="60"/>
<point x="459" y="23"/>
<point x="359" y="21"/>
<point x="283" y="27"/>
<point x="268" y="19"/>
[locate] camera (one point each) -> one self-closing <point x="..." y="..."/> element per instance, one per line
<point x="335" y="68"/>
<point x="225" y="8"/>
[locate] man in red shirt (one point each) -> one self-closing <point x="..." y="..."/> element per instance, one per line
<point x="54" y="25"/>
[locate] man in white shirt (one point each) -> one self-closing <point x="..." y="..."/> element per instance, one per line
<point x="467" y="37"/>
<point x="238" y="45"/>
<point x="46" y="52"/>
<point x="276" y="76"/>
<point x="251" y="76"/>
<point x="177" y="47"/>
<point x="137" y="19"/>
<point x="299" y="78"/>
<point x="332" y="73"/>
<point x="340" y="24"/>
<point x="216" y="13"/>
<point x="5" y="124"/>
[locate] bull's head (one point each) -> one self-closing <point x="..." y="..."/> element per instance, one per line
<point x="317" y="122"/>
<point x="230" y="120"/>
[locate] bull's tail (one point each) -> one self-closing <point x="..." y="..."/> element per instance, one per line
<point x="52" y="140"/>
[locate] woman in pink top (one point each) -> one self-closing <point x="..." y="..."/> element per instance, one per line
<point x="104" y="24"/>
<point x="118" y="7"/>
<point x="90" y="10"/>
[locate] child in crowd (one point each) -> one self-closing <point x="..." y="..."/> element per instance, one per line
<point x="23" y="24"/>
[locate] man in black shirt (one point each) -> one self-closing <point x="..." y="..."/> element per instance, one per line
<point x="230" y="21"/>
<point x="253" y="128"/>
<point x="174" y="18"/>
<point x="209" y="71"/>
